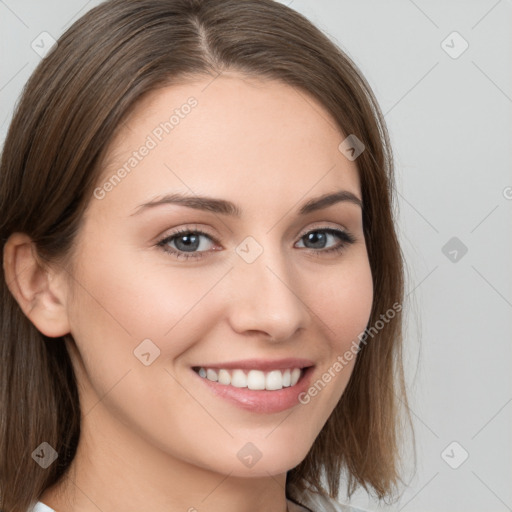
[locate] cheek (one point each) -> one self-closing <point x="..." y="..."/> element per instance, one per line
<point x="343" y="302"/>
<point x="131" y="301"/>
<point x="117" y="308"/>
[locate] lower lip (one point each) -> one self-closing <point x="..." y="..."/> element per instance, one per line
<point x="261" y="401"/>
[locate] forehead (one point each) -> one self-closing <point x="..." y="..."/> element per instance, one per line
<point x="245" y="139"/>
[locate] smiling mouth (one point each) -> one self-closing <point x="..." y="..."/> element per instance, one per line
<point x="256" y="380"/>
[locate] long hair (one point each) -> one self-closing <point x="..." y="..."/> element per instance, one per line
<point x="69" y="111"/>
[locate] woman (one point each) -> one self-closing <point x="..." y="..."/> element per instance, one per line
<point x="203" y="286"/>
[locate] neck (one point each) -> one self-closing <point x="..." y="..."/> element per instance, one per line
<point x="119" y="470"/>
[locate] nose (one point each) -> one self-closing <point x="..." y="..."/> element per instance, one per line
<point x="266" y="297"/>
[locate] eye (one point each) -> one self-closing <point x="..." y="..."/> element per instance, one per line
<point x="321" y="238"/>
<point x="186" y="243"/>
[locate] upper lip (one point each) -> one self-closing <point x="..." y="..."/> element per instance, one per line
<point x="260" y="364"/>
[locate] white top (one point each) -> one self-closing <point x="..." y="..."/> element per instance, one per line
<point x="314" y="502"/>
<point x="318" y="503"/>
<point x="41" y="507"/>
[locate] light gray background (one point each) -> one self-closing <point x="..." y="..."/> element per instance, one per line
<point x="451" y="128"/>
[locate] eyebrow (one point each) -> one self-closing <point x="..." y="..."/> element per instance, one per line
<point x="224" y="207"/>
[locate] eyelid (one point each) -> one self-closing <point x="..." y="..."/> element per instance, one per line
<point x="187" y="228"/>
<point x="320" y="226"/>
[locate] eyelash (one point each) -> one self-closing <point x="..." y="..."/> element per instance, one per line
<point x="345" y="237"/>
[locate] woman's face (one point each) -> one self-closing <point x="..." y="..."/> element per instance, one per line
<point x="161" y="290"/>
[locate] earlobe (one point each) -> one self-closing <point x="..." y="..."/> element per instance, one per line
<point x="39" y="290"/>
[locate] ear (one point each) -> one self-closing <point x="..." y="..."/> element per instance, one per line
<point x="39" y="290"/>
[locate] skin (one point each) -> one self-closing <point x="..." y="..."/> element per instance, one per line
<point x="155" y="437"/>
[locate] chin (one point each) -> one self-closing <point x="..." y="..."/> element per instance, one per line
<point x="262" y="459"/>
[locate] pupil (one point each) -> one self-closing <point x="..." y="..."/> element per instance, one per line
<point x="317" y="238"/>
<point x="191" y="242"/>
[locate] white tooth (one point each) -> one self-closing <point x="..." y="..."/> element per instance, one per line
<point x="274" y="380"/>
<point x="224" y="377"/>
<point x="256" y="380"/>
<point x="295" y="376"/>
<point x="211" y="374"/>
<point x="239" y="379"/>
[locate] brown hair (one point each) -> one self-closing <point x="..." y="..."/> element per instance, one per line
<point x="69" y="112"/>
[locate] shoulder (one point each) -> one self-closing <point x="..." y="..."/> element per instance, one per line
<point x="40" y="507"/>
<point x="320" y="503"/>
